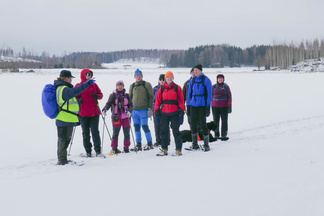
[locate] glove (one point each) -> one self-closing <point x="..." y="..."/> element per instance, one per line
<point x="207" y="111"/>
<point x="188" y="110"/>
<point x="81" y="100"/>
<point x="104" y="112"/>
<point x="180" y="119"/>
<point x="129" y="114"/>
<point x="229" y="109"/>
<point x="149" y="112"/>
<point x="157" y="119"/>
<point x="95" y="96"/>
<point x="91" y="81"/>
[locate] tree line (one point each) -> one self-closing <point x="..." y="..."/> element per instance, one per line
<point x="224" y="55"/>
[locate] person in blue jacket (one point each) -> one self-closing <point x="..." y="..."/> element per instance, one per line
<point x="68" y="117"/>
<point x="198" y="106"/>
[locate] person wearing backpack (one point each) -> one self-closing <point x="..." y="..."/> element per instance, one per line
<point x="141" y="93"/>
<point x="89" y="114"/>
<point x="157" y="126"/>
<point x="221" y="106"/>
<point x="169" y="111"/>
<point x="199" y="100"/>
<point x="185" y="90"/>
<point x="67" y="117"/>
<point x="121" y="111"/>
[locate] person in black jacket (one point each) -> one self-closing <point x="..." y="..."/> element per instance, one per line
<point x="185" y="91"/>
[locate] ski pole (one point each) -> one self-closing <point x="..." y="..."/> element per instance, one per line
<point x="103" y="133"/>
<point x="130" y="125"/>
<point x="103" y="120"/>
<point x="71" y="142"/>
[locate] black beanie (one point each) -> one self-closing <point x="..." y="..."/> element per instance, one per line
<point x="198" y="66"/>
<point x="162" y="77"/>
<point x="192" y="69"/>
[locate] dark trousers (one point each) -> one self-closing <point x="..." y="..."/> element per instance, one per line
<point x="167" y="121"/>
<point x="87" y="124"/>
<point x="198" y="120"/>
<point x="64" y="135"/>
<point x="157" y="131"/>
<point x="221" y="112"/>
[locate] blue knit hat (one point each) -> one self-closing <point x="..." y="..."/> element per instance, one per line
<point x="138" y="72"/>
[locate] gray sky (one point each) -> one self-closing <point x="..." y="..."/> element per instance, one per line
<point x="108" y="25"/>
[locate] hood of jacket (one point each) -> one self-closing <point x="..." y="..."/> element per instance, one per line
<point x="83" y="74"/>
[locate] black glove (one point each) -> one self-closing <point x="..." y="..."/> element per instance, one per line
<point x="188" y="110"/>
<point x="207" y="111"/>
<point x="180" y="119"/>
<point x="157" y="119"/>
<point x="229" y="109"/>
<point x="81" y="100"/>
<point x="95" y="96"/>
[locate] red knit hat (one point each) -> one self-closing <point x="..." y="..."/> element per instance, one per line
<point x="169" y="73"/>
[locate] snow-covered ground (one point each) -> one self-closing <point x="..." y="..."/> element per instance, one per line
<point x="271" y="166"/>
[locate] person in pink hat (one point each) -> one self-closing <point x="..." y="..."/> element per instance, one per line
<point x="121" y="106"/>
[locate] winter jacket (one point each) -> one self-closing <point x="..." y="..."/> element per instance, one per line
<point x="119" y="102"/>
<point x="185" y="89"/>
<point x="222" y="96"/>
<point x="89" y="106"/>
<point x="67" y="94"/>
<point x="155" y="91"/>
<point x="197" y="95"/>
<point x="168" y="96"/>
<point x="141" y="96"/>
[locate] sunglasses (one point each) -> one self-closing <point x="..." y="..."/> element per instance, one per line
<point x="89" y="74"/>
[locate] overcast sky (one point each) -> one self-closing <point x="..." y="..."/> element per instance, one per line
<point x="57" y="26"/>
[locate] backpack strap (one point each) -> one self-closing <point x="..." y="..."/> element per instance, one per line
<point x="175" y="102"/>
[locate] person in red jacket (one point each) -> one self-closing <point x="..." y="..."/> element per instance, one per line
<point x="90" y="113"/>
<point x="169" y="110"/>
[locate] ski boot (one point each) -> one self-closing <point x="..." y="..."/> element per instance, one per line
<point x="194" y="146"/>
<point x="177" y="153"/>
<point x="163" y="152"/>
<point x="206" y="141"/>
<point x="149" y="146"/>
<point x="138" y="147"/>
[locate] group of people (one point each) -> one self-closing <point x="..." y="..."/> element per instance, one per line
<point x="166" y="103"/>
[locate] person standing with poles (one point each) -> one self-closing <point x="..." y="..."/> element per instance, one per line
<point x="169" y="111"/>
<point x="157" y="126"/>
<point x="121" y="111"/>
<point x="67" y="117"/>
<point x="90" y="113"/>
<point x="221" y="106"/>
<point x="199" y="99"/>
<point x="141" y="93"/>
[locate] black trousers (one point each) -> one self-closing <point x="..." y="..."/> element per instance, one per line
<point x="157" y="131"/>
<point x="87" y="124"/>
<point x="198" y="120"/>
<point x="221" y="113"/>
<point x="64" y="135"/>
<point x="167" y="121"/>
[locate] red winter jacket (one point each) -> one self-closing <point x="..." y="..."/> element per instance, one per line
<point x="89" y="107"/>
<point x="169" y="93"/>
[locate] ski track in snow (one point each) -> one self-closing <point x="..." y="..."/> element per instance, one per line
<point x="246" y="137"/>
